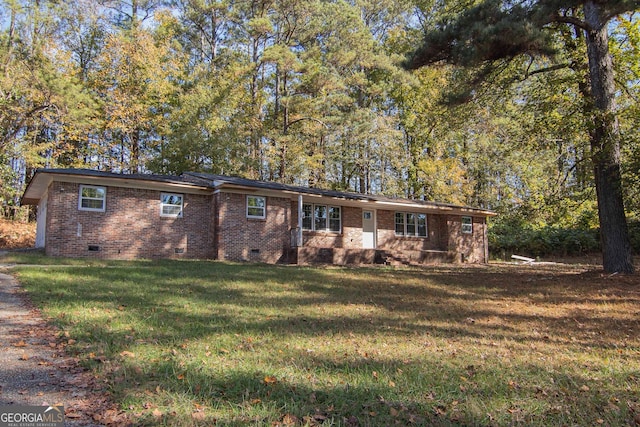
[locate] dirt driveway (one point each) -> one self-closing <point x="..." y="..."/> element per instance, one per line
<point x="34" y="370"/>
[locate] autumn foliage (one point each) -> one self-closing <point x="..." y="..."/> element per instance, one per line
<point x="17" y="234"/>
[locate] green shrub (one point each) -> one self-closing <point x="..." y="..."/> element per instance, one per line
<point x="510" y="238"/>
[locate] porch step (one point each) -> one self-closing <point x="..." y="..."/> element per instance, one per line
<point x="341" y="256"/>
<point x="397" y="261"/>
<point x="393" y="259"/>
<point x="415" y="258"/>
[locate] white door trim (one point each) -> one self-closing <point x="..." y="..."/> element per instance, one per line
<point x="369" y="227"/>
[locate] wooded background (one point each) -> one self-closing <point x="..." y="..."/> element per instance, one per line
<point x="314" y="93"/>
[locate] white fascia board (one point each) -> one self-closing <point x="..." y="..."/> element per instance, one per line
<point x="36" y="189"/>
<point x="441" y="209"/>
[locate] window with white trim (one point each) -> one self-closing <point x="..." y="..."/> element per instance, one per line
<point x="334" y="219"/>
<point x="171" y="205"/>
<point x="411" y="224"/>
<point x="467" y="225"/>
<point x="92" y="198"/>
<point x="307" y="217"/>
<point x="321" y="218"/>
<point x="256" y="207"/>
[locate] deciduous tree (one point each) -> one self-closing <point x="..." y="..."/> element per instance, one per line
<point x="496" y="31"/>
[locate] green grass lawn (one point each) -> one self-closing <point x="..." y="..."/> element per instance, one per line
<point x="202" y="343"/>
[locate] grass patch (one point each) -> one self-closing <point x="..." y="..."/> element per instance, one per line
<point x="198" y="343"/>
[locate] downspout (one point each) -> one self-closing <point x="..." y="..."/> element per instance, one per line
<point x="300" y="243"/>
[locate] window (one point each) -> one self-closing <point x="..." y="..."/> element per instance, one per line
<point x="334" y="219"/>
<point x="400" y="224"/>
<point x="92" y="198"/>
<point x="171" y="205"/>
<point x="467" y="225"/>
<point x="256" y="207"/>
<point x="411" y="224"/>
<point x="307" y="217"/>
<point x="321" y="218"/>
<point x="421" y="220"/>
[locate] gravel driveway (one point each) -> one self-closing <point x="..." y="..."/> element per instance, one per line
<point x="34" y="370"/>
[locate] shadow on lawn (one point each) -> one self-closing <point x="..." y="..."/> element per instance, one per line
<point x="189" y="299"/>
<point x="453" y="396"/>
<point x="173" y="303"/>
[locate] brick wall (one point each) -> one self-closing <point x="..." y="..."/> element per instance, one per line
<point x="471" y="246"/>
<point x="352" y="228"/>
<point x="130" y="227"/>
<point x="244" y="239"/>
<point x="217" y="227"/>
<point x="388" y="240"/>
<point x="349" y="238"/>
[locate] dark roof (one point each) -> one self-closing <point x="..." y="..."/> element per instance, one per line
<point x="39" y="183"/>
<point x="212" y="181"/>
<point x="217" y="180"/>
<point x="102" y="174"/>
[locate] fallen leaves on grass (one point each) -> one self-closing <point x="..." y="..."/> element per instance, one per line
<point x="287" y="420"/>
<point x="270" y="380"/>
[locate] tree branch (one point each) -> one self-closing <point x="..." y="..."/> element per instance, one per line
<point x="19" y="126"/>
<point x="309" y="118"/>
<point x="626" y="90"/>
<point x="570" y="20"/>
<point x="545" y="70"/>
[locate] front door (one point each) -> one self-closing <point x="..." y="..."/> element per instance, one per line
<point x="368" y="229"/>
<point x="41" y="224"/>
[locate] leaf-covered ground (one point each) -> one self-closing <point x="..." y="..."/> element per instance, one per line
<point x="202" y="343"/>
<point x="17" y="234"/>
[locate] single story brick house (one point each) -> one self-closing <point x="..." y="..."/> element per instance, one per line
<point x="197" y="215"/>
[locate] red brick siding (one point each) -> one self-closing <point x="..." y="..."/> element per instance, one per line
<point x="243" y="239"/>
<point x="388" y="240"/>
<point x="217" y="227"/>
<point x="130" y="227"/>
<point x="470" y="246"/>
<point x="352" y="228"/>
<point x="350" y="236"/>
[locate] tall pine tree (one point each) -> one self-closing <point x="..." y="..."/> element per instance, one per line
<point x="494" y="32"/>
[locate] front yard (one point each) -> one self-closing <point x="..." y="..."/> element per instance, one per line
<point x="202" y="343"/>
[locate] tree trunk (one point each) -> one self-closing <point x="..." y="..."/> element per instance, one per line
<point x="605" y="147"/>
<point x="134" y="160"/>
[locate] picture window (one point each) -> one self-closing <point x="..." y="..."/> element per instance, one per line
<point x="411" y="224"/>
<point x="321" y="218"/>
